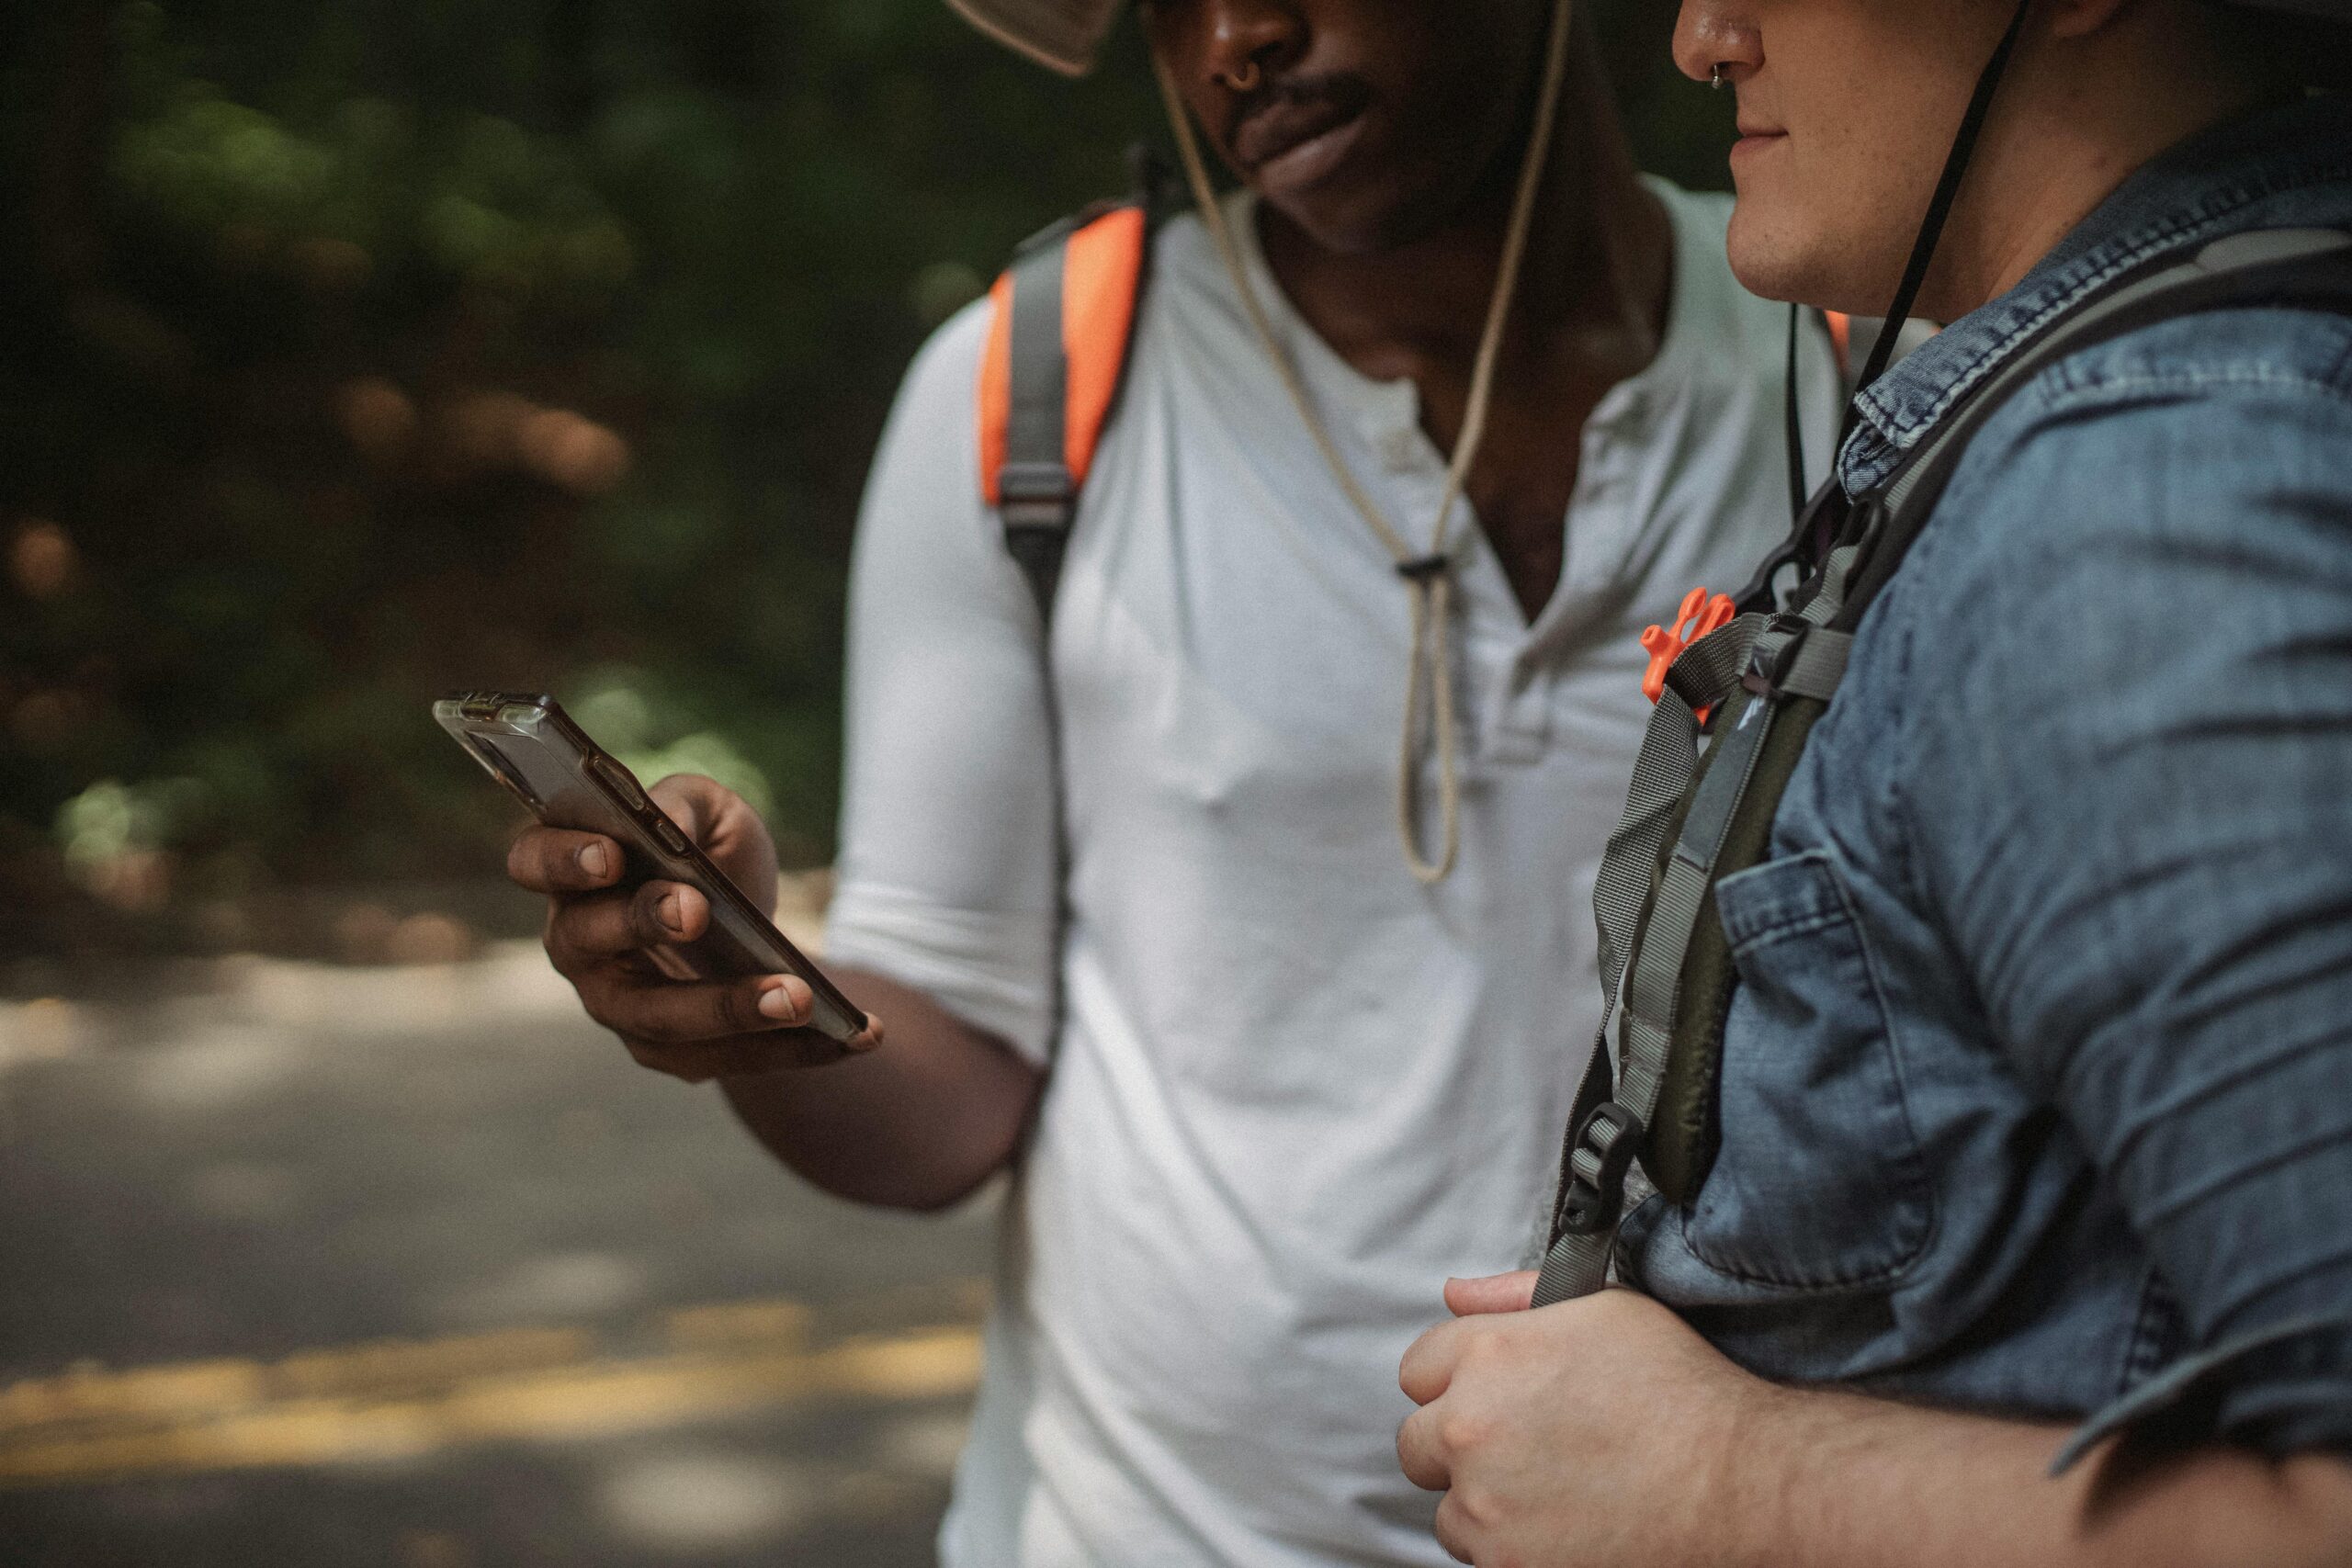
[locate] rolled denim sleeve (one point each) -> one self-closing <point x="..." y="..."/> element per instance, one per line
<point x="2130" y="806"/>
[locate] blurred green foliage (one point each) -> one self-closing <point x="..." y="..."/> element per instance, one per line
<point x="365" y="350"/>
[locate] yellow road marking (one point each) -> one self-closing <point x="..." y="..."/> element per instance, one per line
<point x="374" y="1402"/>
<point x="195" y="1389"/>
<point x="740" y="1323"/>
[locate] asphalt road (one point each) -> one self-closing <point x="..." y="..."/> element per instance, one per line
<point x="409" y="1266"/>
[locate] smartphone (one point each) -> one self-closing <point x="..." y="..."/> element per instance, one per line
<point x="530" y="744"/>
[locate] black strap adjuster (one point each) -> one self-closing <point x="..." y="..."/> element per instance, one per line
<point x="1036" y="495"/>
<point x="1775" y="654"/>
<point x="1424" y="569"/>
<point x="1599" y="1157"/>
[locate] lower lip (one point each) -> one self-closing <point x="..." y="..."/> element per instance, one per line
<point x="1748" y="146"/>
<point x="1313" y="158"/>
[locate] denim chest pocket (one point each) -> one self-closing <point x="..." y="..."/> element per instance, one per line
<point x="1819" y="1181"/>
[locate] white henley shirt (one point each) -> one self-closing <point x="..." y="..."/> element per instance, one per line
<point x="1292" y="1089"/>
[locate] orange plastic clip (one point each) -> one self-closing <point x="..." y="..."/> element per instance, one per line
<point x="1700" y="618"/>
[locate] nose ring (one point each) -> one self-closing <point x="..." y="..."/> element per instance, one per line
<point x="1716" y="81"/>
<point x="1244" y="80"/>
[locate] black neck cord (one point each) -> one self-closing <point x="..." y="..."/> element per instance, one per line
<point x="1797" y="494"/>
<point x="1923" y="250"/>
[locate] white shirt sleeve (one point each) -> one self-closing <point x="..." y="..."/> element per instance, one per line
<point x="946" y="863"/>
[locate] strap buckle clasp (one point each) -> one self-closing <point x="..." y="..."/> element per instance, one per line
<point x="1599" y="1157"/>
<point x="1036" y="495"/>
<point x="1775" y="654"/>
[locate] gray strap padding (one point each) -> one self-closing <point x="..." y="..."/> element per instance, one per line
<point x="1036" y="496"/>
<point x="1706" y="673"/>
<point x="1819" y="666"/>
<point x="1810" y="661"/>
<point x="1037" y="502"/>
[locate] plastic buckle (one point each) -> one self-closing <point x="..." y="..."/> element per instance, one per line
<point x="1775" y="654"/>
<point x="1035" y="495"/>
<point x="1613" y="1135"/>
<point x="1700" y="616"/>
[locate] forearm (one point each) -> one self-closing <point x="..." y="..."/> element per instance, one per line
<point x="916" y="1123"/>
<point x="1828" y="1480"/>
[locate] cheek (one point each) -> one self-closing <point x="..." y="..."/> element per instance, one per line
<point x="1869" y="89"/>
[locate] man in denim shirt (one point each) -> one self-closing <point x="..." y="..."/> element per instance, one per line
<point x="2036" y="1095"/>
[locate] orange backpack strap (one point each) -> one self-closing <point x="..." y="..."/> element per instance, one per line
<point x="1841" y="342"/>
<point x="1063" y="315"/>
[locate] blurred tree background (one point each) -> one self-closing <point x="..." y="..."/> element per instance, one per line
<point x="364" y="350"/>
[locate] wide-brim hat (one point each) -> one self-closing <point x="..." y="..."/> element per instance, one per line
<point x="1064" y="34"/>
<point x="1067" y="34"/>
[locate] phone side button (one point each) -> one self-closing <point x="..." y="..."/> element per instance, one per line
<point x="667" y="831"/>
<point x="619" y="778"/>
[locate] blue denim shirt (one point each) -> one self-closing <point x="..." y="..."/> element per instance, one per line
<point x="2037" y="1090"/>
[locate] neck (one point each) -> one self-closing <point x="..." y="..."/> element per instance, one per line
<point x="2078" y="120"/>
<point x="1596" y="268"/>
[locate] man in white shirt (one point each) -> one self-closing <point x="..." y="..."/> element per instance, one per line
<point x="1260" y="1086"/>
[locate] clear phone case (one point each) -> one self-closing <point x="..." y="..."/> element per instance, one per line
<point x="530" y="744"/>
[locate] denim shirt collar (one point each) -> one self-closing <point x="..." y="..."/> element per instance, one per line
<point x="2240" y="176"/>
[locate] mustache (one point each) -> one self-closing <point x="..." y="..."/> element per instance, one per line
<point x="1341" y="91"/>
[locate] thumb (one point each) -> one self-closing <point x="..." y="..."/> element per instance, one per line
<point x="697" y="804"/>
<point x="1497" y="1293"/>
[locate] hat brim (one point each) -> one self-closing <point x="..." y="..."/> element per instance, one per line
<point x="1062" y="34"/>
<point x="2326" y="10"/>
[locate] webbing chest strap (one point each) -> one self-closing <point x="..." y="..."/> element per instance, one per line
<point x="1692" y="819"/>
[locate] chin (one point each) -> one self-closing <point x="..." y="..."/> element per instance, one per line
<point x="1379" y="210"/>
<point x="1778" y="255"/>
<point x="1758" y="259"/>
<point x="1338" y="233"/>
<point x="1344" y="228"/>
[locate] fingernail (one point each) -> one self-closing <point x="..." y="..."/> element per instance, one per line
<point x="594" y="859"/>
<point x="779" y="1003"/>
<point x="673" y="912"/>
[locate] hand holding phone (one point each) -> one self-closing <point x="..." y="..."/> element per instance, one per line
<point x="649" y="915"/>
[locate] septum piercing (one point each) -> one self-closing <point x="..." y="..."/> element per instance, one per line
<point x="1244" y="80"/>
<point x="1716" y="81"/>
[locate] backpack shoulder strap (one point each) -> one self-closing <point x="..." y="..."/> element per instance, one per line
<point x="1062" y="317"/>
<point x="2286" y="268"/>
